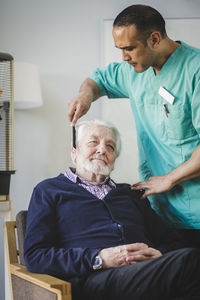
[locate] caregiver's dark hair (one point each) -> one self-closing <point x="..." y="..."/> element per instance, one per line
<point x="145" y="18"/>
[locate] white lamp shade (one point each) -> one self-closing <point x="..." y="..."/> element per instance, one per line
<point x="27" y="92"/>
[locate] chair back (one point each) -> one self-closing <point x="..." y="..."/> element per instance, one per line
<point x="21" y="230"/>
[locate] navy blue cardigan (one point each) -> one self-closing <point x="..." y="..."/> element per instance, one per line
<point x="67" y="226"/>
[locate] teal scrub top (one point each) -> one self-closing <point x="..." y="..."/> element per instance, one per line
<point x="167" y="133"/>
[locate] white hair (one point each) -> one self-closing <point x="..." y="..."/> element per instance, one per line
<point x="80" y="127"/>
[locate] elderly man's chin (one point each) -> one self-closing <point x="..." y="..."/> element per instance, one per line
<point x="98" y="169"/>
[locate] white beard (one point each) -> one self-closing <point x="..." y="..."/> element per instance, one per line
<point x="98" y="169"/>
<point x="93" y="167"/>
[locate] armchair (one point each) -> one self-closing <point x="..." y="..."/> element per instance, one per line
<point x="24" y="284"/>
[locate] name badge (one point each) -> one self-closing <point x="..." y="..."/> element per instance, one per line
<point x="166" y="95"/>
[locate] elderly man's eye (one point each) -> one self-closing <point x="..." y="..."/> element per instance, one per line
<point x="92" y="142"/>
<point x="111" y="147"/>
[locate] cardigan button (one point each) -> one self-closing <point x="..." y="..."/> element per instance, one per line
<point x="119" y="226"/>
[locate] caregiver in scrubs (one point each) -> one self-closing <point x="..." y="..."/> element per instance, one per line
<point x="161" y="77"/>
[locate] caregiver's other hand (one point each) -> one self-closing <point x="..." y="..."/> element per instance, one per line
<point x="154" y="185"/>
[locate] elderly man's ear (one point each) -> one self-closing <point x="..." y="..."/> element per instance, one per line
<point x="73" y="154"/>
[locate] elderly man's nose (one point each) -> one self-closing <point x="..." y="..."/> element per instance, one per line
<point x="101" y="148"/>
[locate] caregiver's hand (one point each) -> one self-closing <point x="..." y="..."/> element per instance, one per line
<point x="79" y="106"/>
<point x="154" y="185"/>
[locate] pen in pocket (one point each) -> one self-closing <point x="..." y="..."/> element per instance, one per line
<point x="165" y="110"/>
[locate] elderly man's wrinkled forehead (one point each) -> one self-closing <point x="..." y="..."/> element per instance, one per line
<point x="95" y="131"/>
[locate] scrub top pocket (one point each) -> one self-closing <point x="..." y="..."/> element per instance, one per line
<point x="178" y="126"/>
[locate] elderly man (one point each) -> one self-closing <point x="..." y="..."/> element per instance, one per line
<point x="99" y="235"/>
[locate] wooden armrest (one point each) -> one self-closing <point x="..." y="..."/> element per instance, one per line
<point x="43" y="280"/>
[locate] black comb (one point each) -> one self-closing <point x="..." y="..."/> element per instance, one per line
<point x="74" y="137"/>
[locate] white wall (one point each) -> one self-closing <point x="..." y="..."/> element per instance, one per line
<point x="62" y="38"/>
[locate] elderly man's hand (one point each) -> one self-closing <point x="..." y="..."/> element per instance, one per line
<point x="127" y="254"/>
<point x="154" y="185"/>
